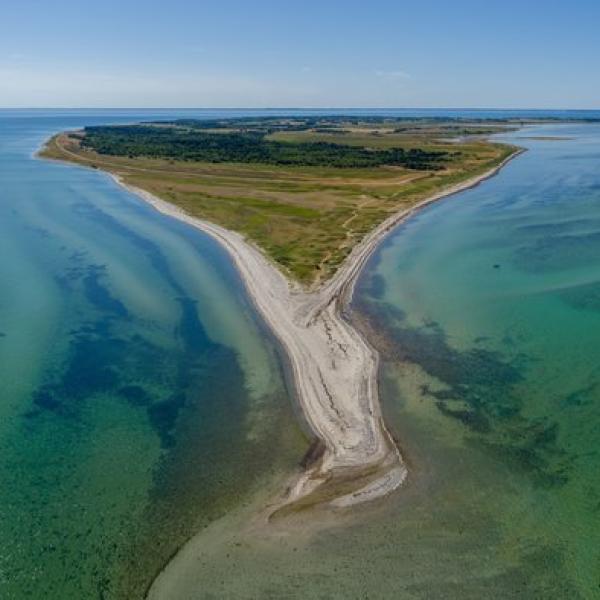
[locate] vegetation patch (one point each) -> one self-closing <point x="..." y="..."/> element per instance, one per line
<point x="305" y="190"/>
<point x="184" y="143"/>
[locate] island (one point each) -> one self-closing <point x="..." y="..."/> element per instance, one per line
<point x="300" y="203"/>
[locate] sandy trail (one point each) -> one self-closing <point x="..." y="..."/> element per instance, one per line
<point x="334" y="369"/>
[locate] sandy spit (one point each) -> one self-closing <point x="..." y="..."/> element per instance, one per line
<point x="334" y="368"/>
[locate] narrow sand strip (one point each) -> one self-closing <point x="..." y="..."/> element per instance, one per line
<point x="334" y="369"/>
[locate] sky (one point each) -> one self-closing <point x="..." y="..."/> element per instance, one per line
<point x="262" y="53"/>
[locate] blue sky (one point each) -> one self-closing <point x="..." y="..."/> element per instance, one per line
<point x="224" y="53"/>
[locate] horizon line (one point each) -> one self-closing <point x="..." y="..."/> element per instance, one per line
<point x="308" y="108"/>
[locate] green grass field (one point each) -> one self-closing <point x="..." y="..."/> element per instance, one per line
<point x="305" y="218"/>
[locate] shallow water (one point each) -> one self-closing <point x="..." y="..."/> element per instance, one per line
<point x="140" y="395"/>
<point x="491" y="303"/>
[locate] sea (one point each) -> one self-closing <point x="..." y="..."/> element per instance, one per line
<point x="142" y="398"/>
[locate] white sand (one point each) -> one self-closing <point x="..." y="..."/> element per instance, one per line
<point x="334" y="369"/>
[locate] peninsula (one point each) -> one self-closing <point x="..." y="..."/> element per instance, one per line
<point x="300" y="204"/>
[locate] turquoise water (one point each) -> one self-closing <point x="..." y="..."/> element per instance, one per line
<point x="140" y="395"/>
<point x="491" y="305"/>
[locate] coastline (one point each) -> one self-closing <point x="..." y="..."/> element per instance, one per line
<point x="333" y="367"/>
<point x="334" y="372"/>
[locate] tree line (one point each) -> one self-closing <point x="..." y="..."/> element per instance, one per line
<point x="195" y="144"/>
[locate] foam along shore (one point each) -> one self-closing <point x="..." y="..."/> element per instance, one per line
<point x="334" y="369"/>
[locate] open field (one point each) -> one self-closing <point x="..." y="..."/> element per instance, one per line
<point x="305" y="218"/>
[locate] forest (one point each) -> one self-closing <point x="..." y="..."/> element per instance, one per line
<point x="194" y="141"/>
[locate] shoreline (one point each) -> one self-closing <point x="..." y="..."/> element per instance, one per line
<point x="334" y="369"/>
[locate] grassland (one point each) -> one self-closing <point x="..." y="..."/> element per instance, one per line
<point x="305" y="218"/>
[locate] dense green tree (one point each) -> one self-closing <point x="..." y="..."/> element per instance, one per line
<point x="247" y="143"/>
